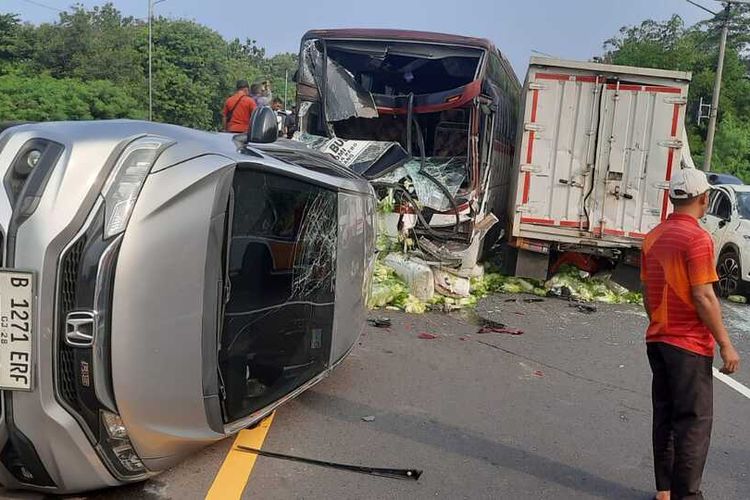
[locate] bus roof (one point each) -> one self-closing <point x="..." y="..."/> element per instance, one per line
<point x="405" y="35"/>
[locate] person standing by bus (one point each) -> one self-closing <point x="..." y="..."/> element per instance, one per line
<point x="238" y="109"/>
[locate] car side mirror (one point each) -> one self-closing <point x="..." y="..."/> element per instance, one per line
<point x="723" y="222"/>
<point x="264" y="128"/>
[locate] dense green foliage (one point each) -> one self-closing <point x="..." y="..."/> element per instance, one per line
<point x="93" y="64"/>
<point x="672" y="45"/>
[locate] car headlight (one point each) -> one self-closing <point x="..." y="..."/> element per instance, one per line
<point x="126" y="180"/>
<point x="117" y="446"/>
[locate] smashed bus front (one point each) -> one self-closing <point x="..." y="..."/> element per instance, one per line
<point x="429" y="119"/>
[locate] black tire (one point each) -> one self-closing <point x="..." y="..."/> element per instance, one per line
<point x="729" y="270"/>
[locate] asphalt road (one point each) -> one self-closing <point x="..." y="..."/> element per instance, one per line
<point x="562" y="411"/>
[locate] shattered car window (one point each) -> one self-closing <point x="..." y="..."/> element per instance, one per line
<point x="279" y="317"/>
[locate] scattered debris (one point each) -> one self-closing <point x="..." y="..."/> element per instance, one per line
<point x="387" y="289"/>
<point x="494" y="329"/>
<point x="737" y="299"/>
<point x="448" y="304"/>
<point x="369" y="418"/>
<point x="451" y="285"/>
<point x="492" y="323"/>
<point x="415" y="273"/>
<point x="381" y="322"/>
<point x="413" y="474"/>
<point x="391" y="288"/>
<point x="463" y="339"/>
<point x="582" y="287"/>
<point x="531" y="300"/>
<point x="427" y="336"/>
<point x="583" y="307"/>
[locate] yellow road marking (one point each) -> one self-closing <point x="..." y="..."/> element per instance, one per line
<point x="231" y="479"/>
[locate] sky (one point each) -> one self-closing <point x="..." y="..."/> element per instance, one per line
<point x="571" y="29"/>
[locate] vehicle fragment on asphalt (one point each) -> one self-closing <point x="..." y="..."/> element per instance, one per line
<point x="407" y="474"/>
<point x="381" y="322"/>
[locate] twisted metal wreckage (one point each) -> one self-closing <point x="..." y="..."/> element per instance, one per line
<point x="429" y="120"/>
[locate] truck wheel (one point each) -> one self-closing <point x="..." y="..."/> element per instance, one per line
<point x="729" y="270"/>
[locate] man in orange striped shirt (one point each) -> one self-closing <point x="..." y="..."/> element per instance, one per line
<point x="677" y="269"/>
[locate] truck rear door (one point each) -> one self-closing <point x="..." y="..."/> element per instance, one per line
<point x="640" y="137"/>
<point x="595" y="157"/>
<point x="558" y="151"/>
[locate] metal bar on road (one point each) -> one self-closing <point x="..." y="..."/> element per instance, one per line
<point x="413" y="474"/>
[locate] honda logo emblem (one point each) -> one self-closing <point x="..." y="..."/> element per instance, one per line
<point x="80" y="328"/>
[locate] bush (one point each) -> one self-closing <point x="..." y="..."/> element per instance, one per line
<point x="44" y="98"/>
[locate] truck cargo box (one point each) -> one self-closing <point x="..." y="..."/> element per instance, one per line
<point x="598" y="147"/>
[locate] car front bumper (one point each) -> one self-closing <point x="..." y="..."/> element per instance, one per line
<point x="42" y="446"/>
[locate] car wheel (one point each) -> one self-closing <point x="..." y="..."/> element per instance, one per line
<point x="730" y="273"/>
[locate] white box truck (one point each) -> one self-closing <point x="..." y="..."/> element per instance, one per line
<point x="597" y="147"/>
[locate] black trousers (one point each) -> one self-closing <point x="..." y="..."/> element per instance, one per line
<point x="682" y="395"/>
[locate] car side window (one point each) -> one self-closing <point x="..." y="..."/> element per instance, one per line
<point x="721" y="205"/>
<point x="712" y="200"/>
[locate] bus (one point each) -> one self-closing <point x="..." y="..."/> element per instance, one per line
<point x="430" y="119"/>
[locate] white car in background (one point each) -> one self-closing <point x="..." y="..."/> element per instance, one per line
<point x="728" y="221"/>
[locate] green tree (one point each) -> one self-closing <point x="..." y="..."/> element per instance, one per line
<point x="15" y="42"/>
<point x="653" y="44"/>
<point x="9" y="24"/>
<point x="91" y="45"/>
<point x="44" y="98"/>
<point x="101" y="56"/>
<point x="731" y="151"/>
<point x="671" y="45"/>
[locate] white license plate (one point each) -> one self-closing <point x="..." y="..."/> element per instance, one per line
<point x="16" y="329"/>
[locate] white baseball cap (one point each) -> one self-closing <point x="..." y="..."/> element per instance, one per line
<point x="688" y="183"/>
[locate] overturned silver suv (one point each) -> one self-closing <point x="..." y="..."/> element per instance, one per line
<point x="162" y="289"/>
